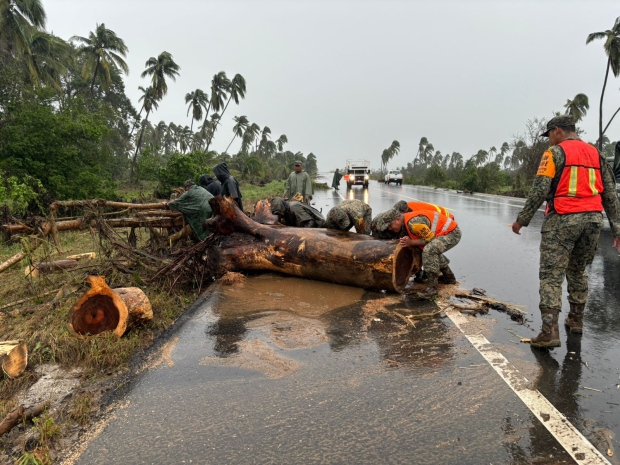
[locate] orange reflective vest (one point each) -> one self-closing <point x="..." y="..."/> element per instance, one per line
<point x="417" y="206"/>
<point x="440" y="224"/>
<point x="581" y="184"/>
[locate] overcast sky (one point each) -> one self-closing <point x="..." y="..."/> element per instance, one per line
<point x="342" y="79"/>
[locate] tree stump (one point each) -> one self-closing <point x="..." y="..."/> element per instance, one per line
<point x="14" y="357"/>
<point x="104" y="309"/>
<point x="323" y="254"/>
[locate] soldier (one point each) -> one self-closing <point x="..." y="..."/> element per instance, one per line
<point x="297" y="214"/>
<point x="194" y="205"/>
<point x="435" y="234"/>
<point x="230" y="186"/>
<point x="350" y="213"/>
<point x="379" y="227"/>
<point x="299" y="182"/>
<point x="577" y="184"/>
<point x="336" y="179"/>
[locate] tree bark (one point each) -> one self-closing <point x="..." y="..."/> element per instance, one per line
<point x="262" y="213"/>
<point x="14" y="357"/>
<point x="322" y="254"/>
<point x="104" y="309"/>
<point x="18" y="257"/>
<point x="49" y="267"/>
<point x="20" y="414"/>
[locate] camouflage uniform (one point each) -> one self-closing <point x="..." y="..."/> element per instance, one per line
<point x="381" y="222"/>
<point x="568" y="242"/>
<point x="297" y="214"/>
<point x="350" y="213"/>
<point x="433" y="257"/>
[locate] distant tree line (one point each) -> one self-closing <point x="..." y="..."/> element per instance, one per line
<point x="68" y="129"/>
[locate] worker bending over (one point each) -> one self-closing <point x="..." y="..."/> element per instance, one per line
<point x="380" y="227"/>
<point x="435" y="233"/>
<point x="297" y="214"/>
<point x="350" y="213"/>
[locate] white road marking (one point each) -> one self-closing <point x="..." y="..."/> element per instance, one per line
<point x="560" y="428"/>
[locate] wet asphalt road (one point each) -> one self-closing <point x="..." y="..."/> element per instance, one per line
<point x="283" y="370"/>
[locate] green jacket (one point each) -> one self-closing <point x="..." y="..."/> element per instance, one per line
<point x="298" y="182"/>
<point x="336" y="180"/>
<point x="194" y="204"/>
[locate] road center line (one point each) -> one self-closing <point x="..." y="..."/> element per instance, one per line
<point x="560" y="428"/>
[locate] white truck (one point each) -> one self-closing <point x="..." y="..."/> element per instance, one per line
<point x="394" y="176"/>
<point x="358" y="173"/>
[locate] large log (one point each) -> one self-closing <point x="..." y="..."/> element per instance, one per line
<point x="14" y="357"/>
<point x="107" y="203"/>
<point x="262" y="213"/>
<point x="104" y="309"/>
<point x="322" y="254"/>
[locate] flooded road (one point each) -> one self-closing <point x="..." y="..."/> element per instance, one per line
<point x="285" y="370"/>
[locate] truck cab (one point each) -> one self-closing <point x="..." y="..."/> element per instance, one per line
<point x="358" y="173"/>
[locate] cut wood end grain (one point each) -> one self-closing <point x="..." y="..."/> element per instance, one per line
<point x="14" y="357"/>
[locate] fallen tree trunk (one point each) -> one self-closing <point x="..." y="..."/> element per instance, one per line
<point x="49" y="267"/>
<point x="167" y="221"/>
<point x="14" y="357"/>
<point x="106" y="203"/>
<point x="18" y="257"/>
<point x="104" y="309"/>
<point x="322" y="254"/>
<point x="20" y="414"/>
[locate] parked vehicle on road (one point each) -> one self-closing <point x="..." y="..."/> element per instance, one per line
<point x="394" y="176"/>
<point x="358" y="173"/>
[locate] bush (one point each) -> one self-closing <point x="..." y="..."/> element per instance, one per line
<point x="435" y="176"/>
<point x="21" y="195"/>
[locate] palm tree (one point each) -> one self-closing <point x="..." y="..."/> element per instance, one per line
<point x="437" y="158"/>
<point x="150" y="102"/>
<point x="18" y="18"/>
<point x="421" y="146"/>
<point x="492" y="152"/>
<point x="577" y="107"/>
<point x="503" y="150"/>
<point x="241" y="123"/>
<point x="197" y="101"/>
<point x="481" y="157"/>
<point x="103" y="50"/>
<point x="159" y="69"/>
<point x="185" y="138"/>
<point x="265" y="136"/>
<point x="48" y="59"/>
<point x="249" y="136"/>
<point x="236" y="91"/>
<point x="280" y="141"/>
<point x="612" y="49"/>
<point x="427" y="154"/>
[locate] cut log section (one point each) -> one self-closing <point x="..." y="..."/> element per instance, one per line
<point x="83" y="256"/>
<point x="262" y="213"/>
<point x="49" y="267"/>
<point x="104" y="309"/>
<point x="322" y="254"/>
<point x="14" y="357"/>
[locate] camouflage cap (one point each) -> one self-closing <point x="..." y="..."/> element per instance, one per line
<point x="278" y="204"/>
<point x="558" y="122"/>
<point x="401" y="206"/>
<point x="382" y="221"/>
<point x="339" y="219"/>
<point x="297" y="163"/>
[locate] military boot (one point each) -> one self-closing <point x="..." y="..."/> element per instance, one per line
<point x="574" y="320"/>
<point x="447" y="277"/>
<point x="431" y="290"/>
<point x="421" y="277"/>
<point x="550" y="334"/>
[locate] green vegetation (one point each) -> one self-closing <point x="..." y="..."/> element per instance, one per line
<point x="68" y="130"/>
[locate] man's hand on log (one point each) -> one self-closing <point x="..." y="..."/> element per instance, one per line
<point x="406" y="242"/>
<point x="516" y="227"/>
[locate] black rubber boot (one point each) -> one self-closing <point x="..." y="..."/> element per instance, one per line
<point x="421" y="277"/>
<point x="431" y="290"/>
<point x="447" y="277"/>
<point x="574" y="320"/>
<point x="550" y="334"/>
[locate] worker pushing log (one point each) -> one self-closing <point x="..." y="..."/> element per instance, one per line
<point x="326" y="255"/>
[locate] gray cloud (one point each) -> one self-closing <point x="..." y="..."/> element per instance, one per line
<point x="344" y="79"/>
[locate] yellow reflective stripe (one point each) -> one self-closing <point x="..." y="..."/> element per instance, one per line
<point x="572" y="183"/>
<point x="593" y="181"/>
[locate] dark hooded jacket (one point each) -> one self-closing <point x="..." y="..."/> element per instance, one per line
<point x="211" y="184"/>
<point x="230" y="186"/>
<point x="297" y="214"/>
